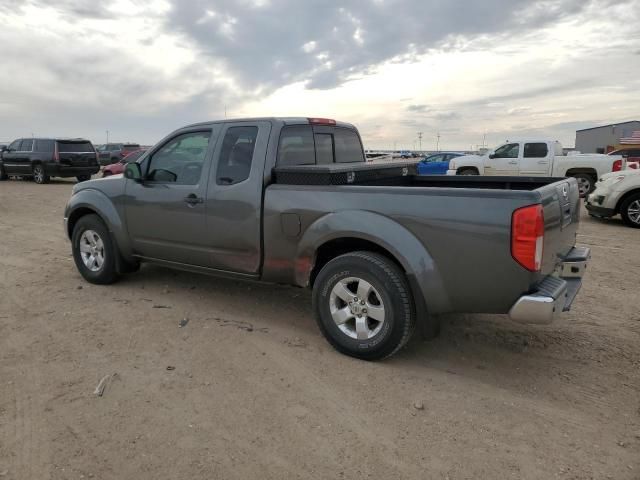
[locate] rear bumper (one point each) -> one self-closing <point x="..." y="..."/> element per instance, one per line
<point x="599" y="211"/>
<point x="555" y="294"/>
<point x="58" y="170"/>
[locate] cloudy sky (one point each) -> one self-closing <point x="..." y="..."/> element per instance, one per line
<point x="460" y="69"/>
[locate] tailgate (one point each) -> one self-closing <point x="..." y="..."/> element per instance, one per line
<point x="76" y="154"/>
<point x="561" y="206"/>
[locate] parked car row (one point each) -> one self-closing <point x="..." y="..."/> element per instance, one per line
<point x="538" y="158"/>
<point x="43" y="158"/>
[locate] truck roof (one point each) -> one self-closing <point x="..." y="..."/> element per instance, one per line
<point x="282" y="120"/>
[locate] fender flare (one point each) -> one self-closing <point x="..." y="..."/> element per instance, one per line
<point x="425" y="279"/>
<point x="101" y="205"/>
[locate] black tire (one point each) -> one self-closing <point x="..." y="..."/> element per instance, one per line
<point x="3" y="174"/>
<point x="628" y="211"/>
<point x="83" y="178"/>
<point x="39" y="175"/>
<point x="107" y="273"/>
<point x="586" y="183"/>
<point x="388" y="282"/>
<point x="468" y="171"/>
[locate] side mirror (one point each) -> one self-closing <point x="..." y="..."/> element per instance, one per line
<point x="133" y="172"/>
<point x="492" y="155"/>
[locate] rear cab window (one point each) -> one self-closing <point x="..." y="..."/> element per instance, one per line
<point x="535" y="150"/>
<point x="75" y="147"/>
<point x="318" y="145"/>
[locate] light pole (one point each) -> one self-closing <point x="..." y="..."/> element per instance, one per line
<point x="438" y="142"/>
<point x="420" y="140"/>
<point x="107" y="136"/>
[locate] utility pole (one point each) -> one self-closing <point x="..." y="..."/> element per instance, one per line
<point x="107" y="136"/>
<point x="438" y="142"/>
<point x="420" y="140"/>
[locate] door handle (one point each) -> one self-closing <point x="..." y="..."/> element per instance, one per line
<point x="542" y="162"/>
<point x="513" y="163"/>
<point x="192" y="199"/>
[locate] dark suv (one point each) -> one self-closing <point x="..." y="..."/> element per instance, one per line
<point x="43" y="158"/>
<point x="114" y="152"/>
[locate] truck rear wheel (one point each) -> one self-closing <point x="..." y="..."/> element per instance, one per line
<point x="468" y="171"/>
<point x="630" y="211"/>
<point x="363" y="305"/>
<point x="93" y="251"/>
<point x="585" y="183"/>
<point x="39" y="175"/>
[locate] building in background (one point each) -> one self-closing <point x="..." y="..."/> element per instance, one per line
<point x="606" y="138"/>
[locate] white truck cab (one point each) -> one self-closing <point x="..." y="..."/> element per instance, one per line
<point x="536" y="158"/>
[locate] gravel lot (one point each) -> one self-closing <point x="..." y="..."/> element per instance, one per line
<point x="248" y="388"/>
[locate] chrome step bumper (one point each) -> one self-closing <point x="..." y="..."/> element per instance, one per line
<point x="554" y="295"/>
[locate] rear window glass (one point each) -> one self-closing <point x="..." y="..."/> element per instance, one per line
<point x="535" y="150"/>
<point x="324" y="148"/>
<point x="348" y="147"/>
<point x="44" y="146"/>
<point x="296" y="146"/>
<point x="74" y="147"/>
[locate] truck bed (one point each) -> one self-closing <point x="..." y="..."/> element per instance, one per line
<point x="464" y="223"/>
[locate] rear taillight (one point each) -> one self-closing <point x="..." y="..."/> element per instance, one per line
<point x="527" y="236"/>
<point x="56" y="154"/>
<point x="617" y="166"/>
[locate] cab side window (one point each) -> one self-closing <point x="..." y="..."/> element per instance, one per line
<point x="510" y="150"/>
<point x="15" y="145"/>
<point x="26" y="145"/>
<point x="535" y="150"/>
<point x="296" y="146"/>
<point x="180" y="160"/>
<point x="236" y="155"/>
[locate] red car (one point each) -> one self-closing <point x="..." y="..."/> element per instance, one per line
<point x="116" y="168"/>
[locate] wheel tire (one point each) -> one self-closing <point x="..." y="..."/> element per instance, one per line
<point x="106" y="273"/>
<point x="630" y="211"/>
<point x="39" y="175"/>
<point x="586" y="183"/>
<point x="468" y="171"/>
<point x="388" y="285"/>
<point x="3" y="174"/>
<point x="83" y="178"/>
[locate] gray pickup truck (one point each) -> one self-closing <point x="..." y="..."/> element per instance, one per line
<point x="292" y="201"/>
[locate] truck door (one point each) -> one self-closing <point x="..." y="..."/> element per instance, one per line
<point x="165" y="213"/>
<point x="536" y="159"/>
<point x="234" y="197"/>
<point x="503" y="161"/>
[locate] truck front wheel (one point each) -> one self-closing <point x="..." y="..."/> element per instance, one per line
<point x="630" y="211"/>
<point x="363" y="305"/>
<point x="93" y="251"/>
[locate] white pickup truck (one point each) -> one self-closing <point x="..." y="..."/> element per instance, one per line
<point x="537" y="158"/>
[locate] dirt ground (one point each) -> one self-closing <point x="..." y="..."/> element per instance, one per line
<point x="248" y="388"/>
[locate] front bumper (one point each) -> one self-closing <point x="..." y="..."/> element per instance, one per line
<point x="555" y="294"/>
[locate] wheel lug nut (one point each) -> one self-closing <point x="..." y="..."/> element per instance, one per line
<point x="362" y="302"/>
<point x="364" y="310"/>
